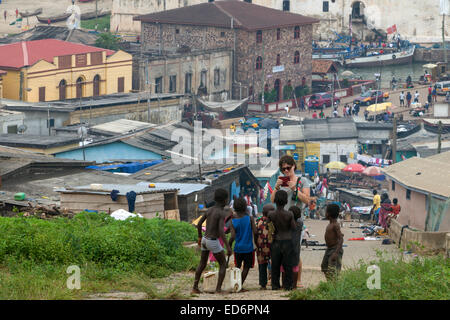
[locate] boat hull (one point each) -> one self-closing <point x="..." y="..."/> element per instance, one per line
<point x="403" y="57"/>
<point x="53" y="19"/>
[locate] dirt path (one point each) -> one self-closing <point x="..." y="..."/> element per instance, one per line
<point x="311" y="275"/>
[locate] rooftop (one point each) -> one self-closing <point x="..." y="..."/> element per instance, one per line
<point x="27" y="53"/>
<point x="229" y="14"/>
<point x="322" y="66"/>
<point x="41" y="32"/>
<point x="122" y="126"/>
<point x="425" y="175"/>
<point x="34" y="141"/>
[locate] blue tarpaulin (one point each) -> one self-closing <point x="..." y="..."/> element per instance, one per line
<point x="131" y="167"/>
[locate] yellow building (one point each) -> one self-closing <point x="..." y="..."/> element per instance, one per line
<point x="2" y="73"/>
<point x="50" y="69"/>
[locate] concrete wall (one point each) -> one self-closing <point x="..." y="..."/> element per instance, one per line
<point x="410" y="238"/>
<point x="36" y="121"/>
<point x="336" y="148"/>
<point x="414" y="210"/>
<point x="430" y="55"/>
<point x="380" y="13"/>
<point x="107" y="152"/>
<point x="123" y="12"/>
<point x="194" y="63"/>
<point x="10" y="118"/>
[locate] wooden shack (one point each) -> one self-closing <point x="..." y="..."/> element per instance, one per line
<point x="150" y="202"/>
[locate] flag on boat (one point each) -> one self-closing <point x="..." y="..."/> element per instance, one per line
<point x="392" y="29"/>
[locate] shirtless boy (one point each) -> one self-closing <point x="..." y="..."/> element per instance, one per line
<point x="332" y="260"/>
<point x="214" y="217"/>
<point x="281" y="248"/>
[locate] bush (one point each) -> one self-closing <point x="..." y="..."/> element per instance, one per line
<point x="421" y="279"/>
<point x="287" y="92"/>
<point x="148" y="245"/>
<point x="107" y="41"/>
<point x="301" y="91"/>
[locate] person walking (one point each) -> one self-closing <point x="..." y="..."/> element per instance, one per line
<point x="264" y="234"/>
<point x="386" y="208"/>
<point x="408" y="99"/>
<point x="243" y="230"/>
<point x="281" y="249"/>
<point x="402" y="99"/>
<point x="416" y="97"/>
<point x="434" y="94"/>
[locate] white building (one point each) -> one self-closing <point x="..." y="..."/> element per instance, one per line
<point x="417" y="20"/>
<point x="10" y="121"/>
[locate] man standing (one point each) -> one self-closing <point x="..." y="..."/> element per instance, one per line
<point x="376" y="205"/>
<point x="281" y="248"/>
<point x="408" y="99"/>
<point x="434" y="94"/>
<point x="416" y="97"/>
<point x="402" y="99"/>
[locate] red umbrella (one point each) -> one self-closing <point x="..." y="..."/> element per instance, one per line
<point x="354" y="167"/>
<point x="372" y="171"/>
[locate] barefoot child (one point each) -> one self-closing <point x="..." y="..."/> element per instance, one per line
<point x="243" y="229"/>
<point x="210" y="241"/>
<point x="332" y="260"/>
<point x="263" y="241"/>
<point x="296" y="243"/>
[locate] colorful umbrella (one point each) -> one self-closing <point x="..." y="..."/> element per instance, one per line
<point x="335" y="165"/>
<point x="372" y="171"/>
<point x="354" y="167"/>
<point x="379" y="107"/>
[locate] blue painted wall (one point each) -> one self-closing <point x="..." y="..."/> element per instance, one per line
<point x="108" y="152"/>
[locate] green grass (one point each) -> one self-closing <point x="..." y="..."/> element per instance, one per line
<point x="103" y="23"/>
<point x="425" y="278"/>
<point x="112" y="255"/>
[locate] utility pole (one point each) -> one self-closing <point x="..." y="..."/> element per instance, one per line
<point x="394" y="140"/>
<point x="96" y="10"/>
<point x="443" y="39"/>
<point x="439" y="137"/>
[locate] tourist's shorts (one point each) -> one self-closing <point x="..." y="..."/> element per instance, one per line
<point x="247" y="258"/>
<point x="294" y="269"/>
<point x="211" y="245"/>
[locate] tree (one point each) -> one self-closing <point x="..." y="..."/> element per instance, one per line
<point x="287" y="92"/>
<point x="107" y="41"/>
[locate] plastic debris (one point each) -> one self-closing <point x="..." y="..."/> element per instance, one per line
<point x="122" y="214"/>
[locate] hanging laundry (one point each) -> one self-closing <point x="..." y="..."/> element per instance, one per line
<point x="131" y="198"/>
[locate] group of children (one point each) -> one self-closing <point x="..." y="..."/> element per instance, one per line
<point x="274" y="238"/>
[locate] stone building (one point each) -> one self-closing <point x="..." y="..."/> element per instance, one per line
<point x="418" y="21"/>
<point x="50" y="69"/>
<point x="271" y="48"/>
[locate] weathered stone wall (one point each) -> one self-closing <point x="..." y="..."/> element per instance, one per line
<point x="194" y="63"/>
<point x="194" y="37"/>
<point x="430" y="55"/>
<point x="247" y="50"/>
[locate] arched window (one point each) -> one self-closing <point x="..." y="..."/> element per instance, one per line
<point x="259" y="63"/>
<point x="62" y="89"/>
<point x="258" y="36"/>
<point x="303" y="81"/>
<point x="96" y="84"/>
<point x="250" y="91"/>
<point x="278" y="34"/>
<point x="266" y="88"/>
<point x="296" y="57"/>
<point x="296" y="32"/>
<point x="80" y="85"/>
<point x="278" y="60"/>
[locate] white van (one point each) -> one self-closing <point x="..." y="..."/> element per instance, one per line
<point x="442" y="87"/>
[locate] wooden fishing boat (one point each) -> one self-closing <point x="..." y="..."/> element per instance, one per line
<point x="91" y="14"/>
<point x="403" y="57"/>
<point x="27" y="14"/>
<point x="59" y="18"/>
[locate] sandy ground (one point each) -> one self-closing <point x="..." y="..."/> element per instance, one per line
<point x="49" y="7"/>
<point x="311" y="258"/>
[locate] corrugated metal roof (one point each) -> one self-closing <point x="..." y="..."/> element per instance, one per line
<point x="123" y="189"/>
<point x="122" y="126"/>
<point x="430" y="175"/>
<point x="184" y="188"/>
